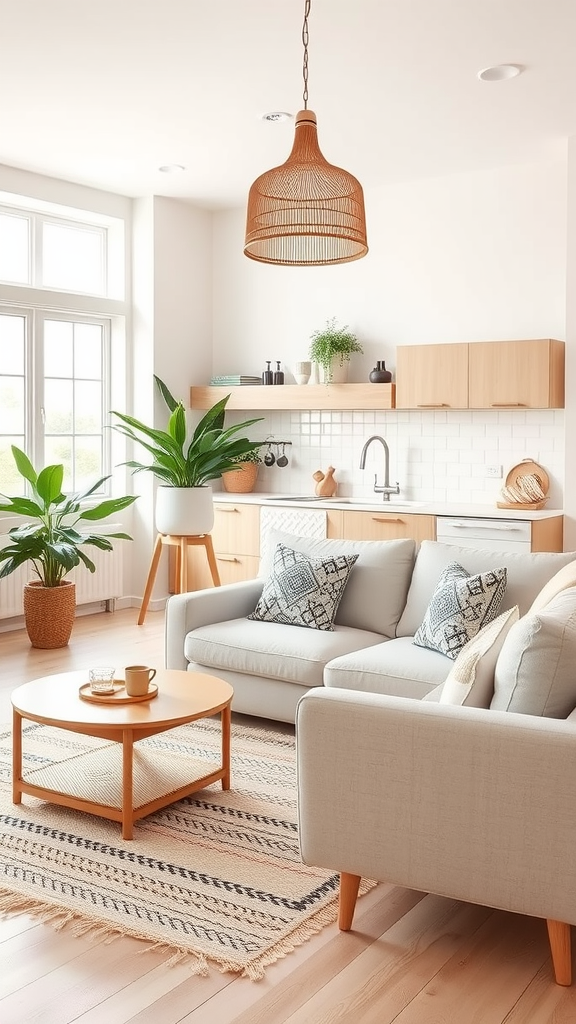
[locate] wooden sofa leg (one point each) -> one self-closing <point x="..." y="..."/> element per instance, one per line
<point x="349" y="885"/>
<point x="560" y="947"/>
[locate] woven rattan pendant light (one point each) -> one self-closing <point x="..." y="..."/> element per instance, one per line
<point x="306" y="212"/>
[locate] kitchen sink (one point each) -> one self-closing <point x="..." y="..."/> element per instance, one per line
<point x="376" y="500"/>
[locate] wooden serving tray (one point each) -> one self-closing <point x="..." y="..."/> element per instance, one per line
<point x="529" y="506"/>
<point x="119" y="696"/>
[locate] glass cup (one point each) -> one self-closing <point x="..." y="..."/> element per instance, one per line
<point x="102" y="679"/>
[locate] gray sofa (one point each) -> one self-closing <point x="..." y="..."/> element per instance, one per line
<point x="371" y="649"/>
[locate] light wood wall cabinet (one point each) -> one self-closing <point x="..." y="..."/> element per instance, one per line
<point x="236" y="540"/>
<point x="432" y="376"/>
<point x="481" y="375"/>
<point x="516" y="374"/>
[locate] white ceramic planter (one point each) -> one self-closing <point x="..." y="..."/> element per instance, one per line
<point x="184" y="511"/>
<point x="338" y="373"/>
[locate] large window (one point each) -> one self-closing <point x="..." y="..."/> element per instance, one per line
<point x="56" y="345"/>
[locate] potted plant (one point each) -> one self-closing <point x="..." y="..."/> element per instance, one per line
<point x="185" y="463"/>
<point x="331" y="349"/>
<point x="242" y="478"/>
<point x="53" y="545"/>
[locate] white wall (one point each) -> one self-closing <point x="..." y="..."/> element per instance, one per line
<point x="467" y="258"/>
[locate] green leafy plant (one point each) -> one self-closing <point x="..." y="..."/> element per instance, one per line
<point x="53" y="542"/>
<point x="332" y="341"/>
<point x="212" y="449"/>
<point x="254" y="456"/>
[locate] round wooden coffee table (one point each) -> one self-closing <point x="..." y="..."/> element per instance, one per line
<point x="120" y="781"/>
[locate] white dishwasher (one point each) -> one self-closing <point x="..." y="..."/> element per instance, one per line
<point x="490" y="534"/>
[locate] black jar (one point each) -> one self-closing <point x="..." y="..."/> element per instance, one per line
<point x="380" y="375"/>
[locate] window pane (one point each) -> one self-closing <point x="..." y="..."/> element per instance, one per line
<point x="12" y="414"/>
<point x="58" y="348"/>
<point x="58" y="405"/>
<point x="73" y="258"/>
<point x="12" y="336"/>
<point x="88" y="407"/>
<point x="59" y="449"/>
<point x="11" y="482"/>
<point x="14" y="249"/>
<point x="88" y="461"/>
<point x="88" y="351"/>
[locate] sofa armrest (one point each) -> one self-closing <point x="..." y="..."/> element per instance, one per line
<point x="468" y="803"/>
<point x="202" y="607"/>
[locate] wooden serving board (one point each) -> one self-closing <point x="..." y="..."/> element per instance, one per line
<point x="119" y="696"/>
<point x="530" y="506"/>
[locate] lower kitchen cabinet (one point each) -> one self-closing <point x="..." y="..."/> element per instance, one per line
<point x="502" y="534"/>
<point x="387" y="526"/>
<point x="236" y="541"/>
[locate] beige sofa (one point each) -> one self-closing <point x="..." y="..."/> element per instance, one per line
<point x="271" y="665"/>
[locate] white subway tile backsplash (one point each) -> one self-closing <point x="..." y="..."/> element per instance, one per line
<point x="436" y="455"/>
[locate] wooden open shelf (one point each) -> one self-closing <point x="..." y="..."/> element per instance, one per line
<point x="297" y="396"/>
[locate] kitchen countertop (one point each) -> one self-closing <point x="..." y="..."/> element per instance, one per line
<point x="363" y="504"/>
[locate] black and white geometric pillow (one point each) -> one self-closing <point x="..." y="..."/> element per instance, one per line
<point x="302" y="591"/>
<point x="460" y="606"/>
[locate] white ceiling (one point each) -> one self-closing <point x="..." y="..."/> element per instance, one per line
<point x="103" y="92"/>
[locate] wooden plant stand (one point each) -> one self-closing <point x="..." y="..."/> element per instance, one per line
<point x="181" y="544"/>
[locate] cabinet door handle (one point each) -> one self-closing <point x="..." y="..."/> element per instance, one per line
<point x="227" y="558"/>
<point x="433" y="405"/>
<point x="508" y="405"/>
<point x="481" y="526"/>
<point x="226" y="508"/>
<point x="377" y="519"/>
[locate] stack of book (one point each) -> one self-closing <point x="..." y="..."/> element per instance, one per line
<point x="234" y="379"/>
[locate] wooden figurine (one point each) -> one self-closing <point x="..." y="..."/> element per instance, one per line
<point x="326" y="485"/>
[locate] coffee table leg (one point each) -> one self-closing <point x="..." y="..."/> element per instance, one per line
<point x="226" y="723"/>
<point x="127" y="783"/>
<point x="16" y="756"/>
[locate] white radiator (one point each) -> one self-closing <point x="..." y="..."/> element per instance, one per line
<point x="103" y="585"/>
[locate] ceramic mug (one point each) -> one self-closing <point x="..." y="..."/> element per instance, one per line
<point x="138" y="679"/>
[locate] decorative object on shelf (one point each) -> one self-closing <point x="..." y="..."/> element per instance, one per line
<point x="185" y="468"/>
<point x="278" y="374"/>
<point x="331" y="348"/>
<point x="242" y="478"/>
<point x="267" y="375"/>
<point x="326" y="485"/>
<point x="526" y="487"/>
<point x="302" y="371"/>
<point x="380" y="375"/>
<point x="53" y="544"/>
<point x="306" y="212"/>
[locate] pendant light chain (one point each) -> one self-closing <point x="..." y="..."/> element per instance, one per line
<point x="305" y="38"/>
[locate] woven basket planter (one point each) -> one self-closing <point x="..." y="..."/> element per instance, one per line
<point x="241" y="480"/>
<point x="49" y="613"/>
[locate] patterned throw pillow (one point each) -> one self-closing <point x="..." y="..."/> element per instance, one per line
<point x="302" y="591"/>
<point x="460" y="606"/>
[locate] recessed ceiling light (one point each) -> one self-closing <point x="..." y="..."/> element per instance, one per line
<point x="277" y="115"/>
<point x="500" y="72"/>
<point x="171" y="168"/>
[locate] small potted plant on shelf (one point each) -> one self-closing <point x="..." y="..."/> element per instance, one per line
<point x="53" y="545"/>
<point x="331" y="348"/>
<point x="242" y="478"/>
<point x="186" y="462"/>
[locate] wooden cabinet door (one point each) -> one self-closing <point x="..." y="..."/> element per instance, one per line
<point x="432" y="376"/>
<point x="388" y="526"/>
<point x="516" y="374"/>
<point x="236" y="528"/>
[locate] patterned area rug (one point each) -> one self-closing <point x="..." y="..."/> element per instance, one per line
<point x="215" y="878"/>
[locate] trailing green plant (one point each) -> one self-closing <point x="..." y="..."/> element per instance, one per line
<point x="254" y="456"/>
<point x="332" y="341"/>
<point x="53" y="542"/>
<point x="183" y="460"/>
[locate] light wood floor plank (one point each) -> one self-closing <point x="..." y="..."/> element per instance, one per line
<point x="410" y="958"/>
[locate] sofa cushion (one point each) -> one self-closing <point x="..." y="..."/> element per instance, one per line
<point x="536" y="671"/>
<point x="303" y="591"/>
<point x="461" y="605"/>
<point x="470" y="681"/>
<point x="395" y="667"/>
<point x="272" y="650"/>
<point x="376" y="591"/>
<point x="564" y="578"/>
<point x="526" y="575"/>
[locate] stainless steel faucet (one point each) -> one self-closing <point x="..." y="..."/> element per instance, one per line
<point x="386" y="490"/>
